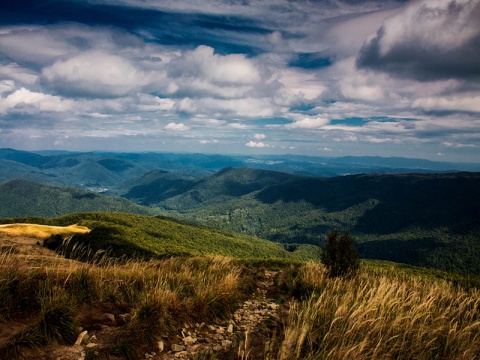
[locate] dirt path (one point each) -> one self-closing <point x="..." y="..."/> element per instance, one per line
<point x="236" y="338"/>
<point x="244" y="336"/>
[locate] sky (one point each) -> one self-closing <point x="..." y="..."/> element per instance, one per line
<point x="311" y="77"/>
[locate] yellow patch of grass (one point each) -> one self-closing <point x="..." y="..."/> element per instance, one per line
<point x="40" y="231"/>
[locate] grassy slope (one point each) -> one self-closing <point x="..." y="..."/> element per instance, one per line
<point x="124" y="233"/>
<point x="383" y="313"/>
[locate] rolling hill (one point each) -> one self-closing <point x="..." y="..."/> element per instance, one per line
<point x="428" y="217"/>
<point x="122" y="234"/>
<point x="27" y="198"/>
<point x="180" y="194"/>
<point x="420" y="219"/>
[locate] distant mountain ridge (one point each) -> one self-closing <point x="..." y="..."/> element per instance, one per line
<point x="105" y="171"/>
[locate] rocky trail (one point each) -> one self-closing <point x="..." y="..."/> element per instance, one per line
<point x="246" y="335"/>
<point x="239" y="331"/>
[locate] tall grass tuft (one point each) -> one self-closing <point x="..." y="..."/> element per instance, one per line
<point x="158" y="296"/>
<point x="381" y="316"/>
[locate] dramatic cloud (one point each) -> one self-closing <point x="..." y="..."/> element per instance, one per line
<point x="431" y="39"/>
<point x="343" y="77"/>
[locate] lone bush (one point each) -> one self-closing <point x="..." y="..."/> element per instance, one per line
<point x="339" y="255"/>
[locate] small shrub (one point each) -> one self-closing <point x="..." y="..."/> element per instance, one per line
<point x="339" y="255"/>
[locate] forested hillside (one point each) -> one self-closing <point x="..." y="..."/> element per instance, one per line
<point x="224" y="185"/>
<point x="27" y="198"/>
<point x="421" y="219"/>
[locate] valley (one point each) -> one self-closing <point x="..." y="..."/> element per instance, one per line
<point x="404" y="210"/>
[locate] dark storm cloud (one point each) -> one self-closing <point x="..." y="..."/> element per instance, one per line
<point x="163" y="27"/>
<point x="431" y="41"/>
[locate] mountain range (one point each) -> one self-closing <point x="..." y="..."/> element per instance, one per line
<point x="100" y="171"/>
<point x="426" y="216"/>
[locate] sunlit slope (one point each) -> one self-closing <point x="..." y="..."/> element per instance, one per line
<point x="129" y="234"/>
<point x="40" y="231"/>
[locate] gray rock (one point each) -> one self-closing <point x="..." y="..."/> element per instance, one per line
<point x="177" y="348"/>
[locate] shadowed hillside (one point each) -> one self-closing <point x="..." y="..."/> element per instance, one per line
<point x="421" y="219"/>
<point x="224" y="185"/>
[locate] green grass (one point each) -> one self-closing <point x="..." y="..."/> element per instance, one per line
<point x="156" y="237"/>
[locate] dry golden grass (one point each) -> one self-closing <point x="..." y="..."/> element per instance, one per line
<point x="382" y="316"/>
<point x="40" y="231"/>
<point x="160" y="297"/>
<point x="22" y="243"/>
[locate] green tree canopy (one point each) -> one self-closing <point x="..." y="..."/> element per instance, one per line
<point x="339" y="255"/>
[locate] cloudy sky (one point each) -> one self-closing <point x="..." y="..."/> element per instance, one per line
<point x="315" y="77"/>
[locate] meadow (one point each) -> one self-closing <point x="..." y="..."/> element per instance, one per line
<point x="382" y="313"/>
<point x="386" y="311"/>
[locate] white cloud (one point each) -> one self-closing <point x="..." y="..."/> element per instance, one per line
<point x="458" y="145"/>
<point x="259" y="136"/>
<point x="32" y="44"/>
<point x="17" y="73"/>
<point x="309" y="122"/>
<point x="176" y="127"/>
<point x="209" y="122"/>
<point x="26" y="101"/>
<point x="201" y="73"/>
<point x="298" y="85"/>
<point x="94" y="73"/>
<point x="149" y="103"/>
<point x="239" y="126"/>
<point x="203" y="63"/>
<point x="254" y="144"/>
<point x="464" y="102"/>
<point x="101" y="116"/>
<point x="205" y="142"/>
